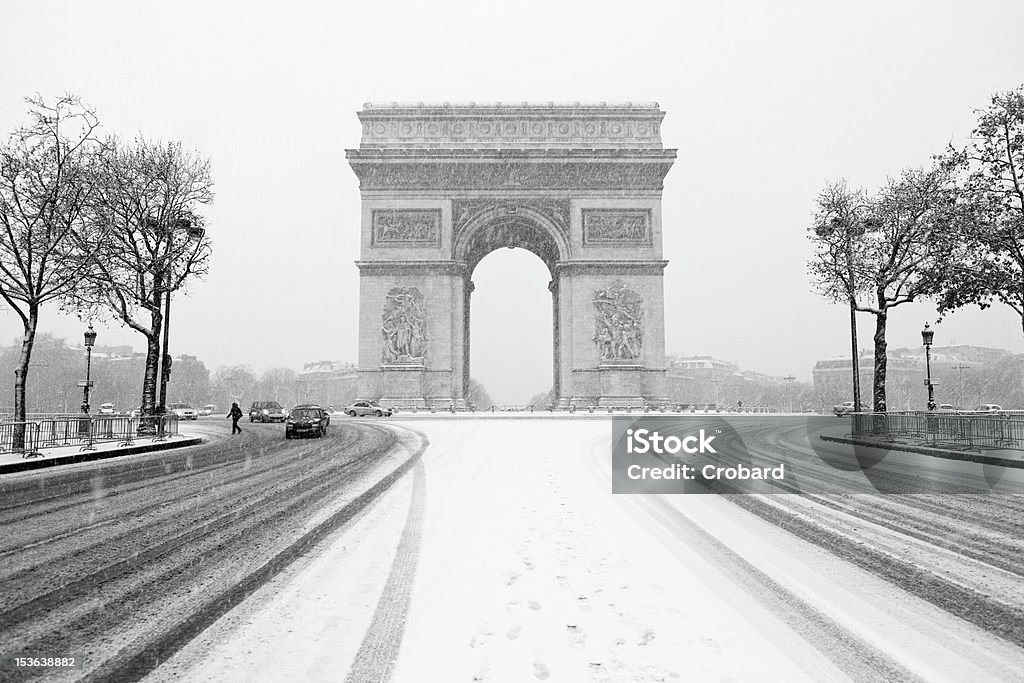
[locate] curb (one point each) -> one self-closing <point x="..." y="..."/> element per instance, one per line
<point x="933" y="452"/>
<point x="87" y="456"/>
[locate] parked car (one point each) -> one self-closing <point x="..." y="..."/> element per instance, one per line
<point x="267" y="411"/>
<point x="947" y="408"/>
<point x="208" y="409"/>
<point x="183" y="410"/>
<point x="306" y="420"/>
<point x="988" y="408"/>
<point x="107" y="409"/>
<point x="363" y="408"/>
<point x="846" y="408"/>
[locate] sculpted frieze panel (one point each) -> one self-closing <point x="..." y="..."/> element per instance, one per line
<point x="618" y="323"/>
<point x="570" y="176"/>
<point x="511" y="233"/>
<point x="616" y="226"/>
<point x="399" y="227"/>
<point x="466" y="211"/>
<point x="404" y="327"/>
<point x="643" y="130"/>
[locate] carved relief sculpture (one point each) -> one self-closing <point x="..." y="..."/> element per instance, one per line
<point x="407" y="226"/>
<point x="616" y="226"/>
<point x="465" y="211"/>
<point x="404" y="326"/>
<point x="618" y="324"/>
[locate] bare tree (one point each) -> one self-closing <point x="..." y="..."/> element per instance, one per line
<point x="884" y="250"/>
<point x="147" y="199"/>
<point x="232" y="384"/>
<point x="278" y="384"/>
<point x="45" y="244"/>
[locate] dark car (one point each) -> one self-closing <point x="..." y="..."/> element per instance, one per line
<point x="326" y="411"/>
<point x="266" y="411"/>
<point x="306" y="421"/>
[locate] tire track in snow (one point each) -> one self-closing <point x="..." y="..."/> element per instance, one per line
<point x="149" y="650"/>
<point x="858" y="659"/>
<point x="378" y="654"/>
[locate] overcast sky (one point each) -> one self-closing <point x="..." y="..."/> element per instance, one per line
<point x="765" y="102"/>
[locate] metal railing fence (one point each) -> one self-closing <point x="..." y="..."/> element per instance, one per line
<point x="978" y="430"/>
<point x="84" y="431"/>
<point x="9" y="433"/>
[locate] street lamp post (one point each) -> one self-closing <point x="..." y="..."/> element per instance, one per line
<point x="84" y="426"/>
<point x="789" y="381"/>
<point x="90" y="340"/>
<point x="193" y="232"/>
<point x="854" y="351"/>
<point x="927" y="335"/>
<point x="850" y="229"/>
<point x="961" y="367"/>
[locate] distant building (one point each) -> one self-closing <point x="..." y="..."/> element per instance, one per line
<point x="705" y="379"/>
<point x="905" y="376"/>
<point x="329" y="383"/>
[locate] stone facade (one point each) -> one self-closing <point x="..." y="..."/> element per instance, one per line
<point x="580" y="186"/>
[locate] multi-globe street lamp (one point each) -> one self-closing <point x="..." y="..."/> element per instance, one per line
<point x="927" y="335"/>
<point x="192" y="232"/>
<point x="851" y="227"/>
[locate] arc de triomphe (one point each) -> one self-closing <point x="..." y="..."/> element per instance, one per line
<point x="579" y="186"/>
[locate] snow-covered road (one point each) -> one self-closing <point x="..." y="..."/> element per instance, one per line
<point x="505" y="557"/>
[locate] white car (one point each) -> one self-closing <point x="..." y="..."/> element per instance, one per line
<point x="183" y="410"/>
<point x="846" y="408"/>
<point x="364" y="408"/>
<point x="107" y="409"/>
<point x="988" y="408"/>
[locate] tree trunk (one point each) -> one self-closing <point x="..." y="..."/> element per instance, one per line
<point x="878" y="385"/>
<point x="21" y="377"/>
<point x="149" y="378"/>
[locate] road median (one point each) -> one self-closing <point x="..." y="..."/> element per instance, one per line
<point x="68" y="455"/>
<point x="935" y="452"/>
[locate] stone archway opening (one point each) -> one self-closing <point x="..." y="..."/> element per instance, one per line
<point x="498" y="227"/>
<point x="510" y="347"/>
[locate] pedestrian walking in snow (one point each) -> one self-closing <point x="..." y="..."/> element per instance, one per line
<point x="235" y="414"/>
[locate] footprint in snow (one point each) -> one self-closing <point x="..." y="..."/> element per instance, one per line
<point x="541" y="670"/>
<point x="512" y="578"/>
<point x="534" y="605"/>
<point x="647" y="637"/>
<point x="514" y="631"/>
<point x="710" y="644"/>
